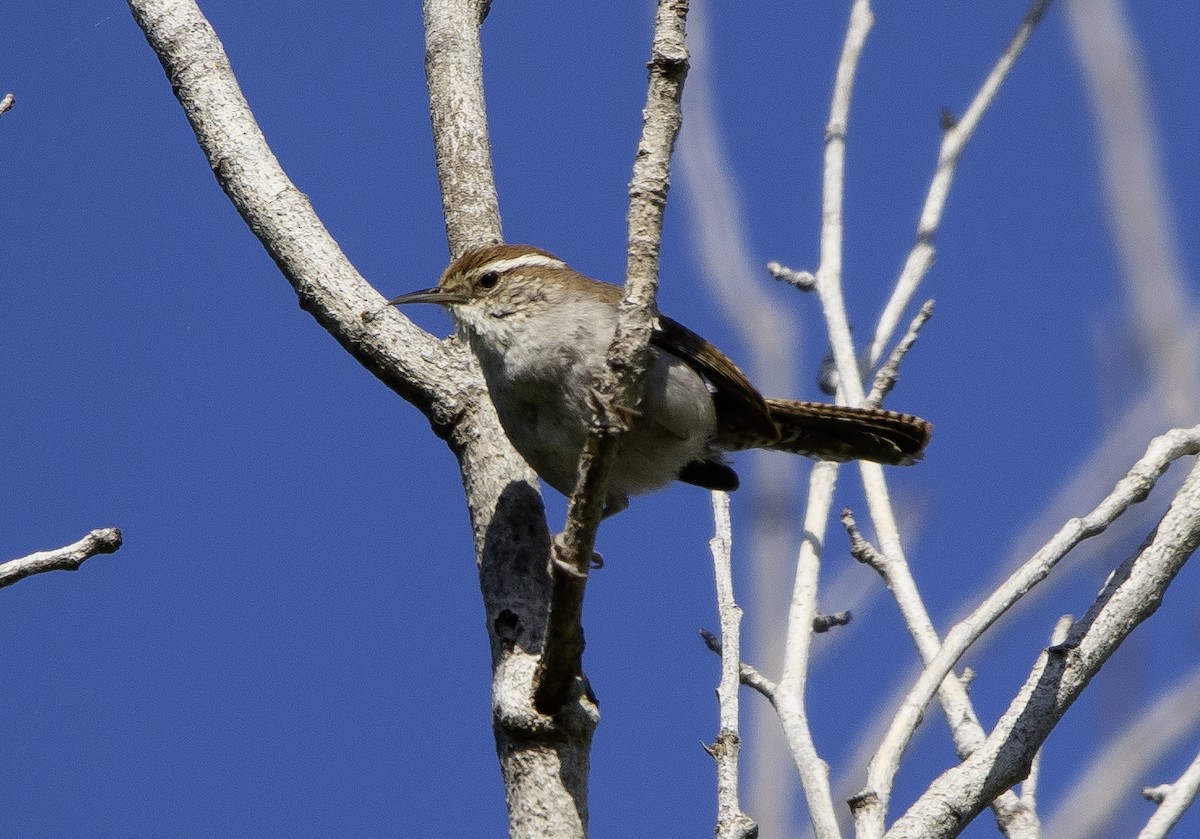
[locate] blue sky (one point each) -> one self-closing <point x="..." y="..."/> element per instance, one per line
<point x="291" y="642"/>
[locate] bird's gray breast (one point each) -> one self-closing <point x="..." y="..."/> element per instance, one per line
<point x="542" y="384"/>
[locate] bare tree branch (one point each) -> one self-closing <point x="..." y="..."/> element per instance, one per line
<point x="861" y="549"/>
<point x="731" y="821"/>
<point x="1012" y="817"/>
<point x="747" y="674"/>
<point x="1155" y="286"/>
<point x="543" y="760"/>
<point x="1132" y="593"/>
<point x="1134" y="487"/>
<point x="1156" y="308"/>
<point x="789" y="696"/>
<point x="789" y="693"/>
<point x="957" y="134"/>
<point x="1029" y="786"/>
<point x="801" y="280"/>
<point x="829" y="272"/>
<point x="103" y="541"/>
<point x="454" y="75"/>
<point x="1116" y="770"/>
<point x="1173" y="800"/>
<point x="620" y="387"/>
<point x="770" y="335"/>
<point x="888" y="374"/>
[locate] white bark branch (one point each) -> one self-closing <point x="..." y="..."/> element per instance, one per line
<point x="749" y="676"/>
<point x="1013" y="817"/>
<point x="1155" y="285"/>
<point x="1111" y="775"/>
<point x="543" y="761"/>
<point x="1131" y="595"/>
<point x="789" y="692"/>
<point x="889" y="373"/>
<point x="1134" y="487"/>
<point x="829" y="272"/>
<point x="871" y="806"/>
<point x="732" y="823"/>
<point x="454" y="76"/>
<point x="102" y="541"/>
<point x="1029" y="787"/>
<point x="769" y="335"/>
<point x="789" y="695"/>
<point x="1173" y="800"/>
<point x="620" y="386"/>
<point x="1136" y="192"/>
<point x="955" y="702"/>
<point x="920" y="258"/>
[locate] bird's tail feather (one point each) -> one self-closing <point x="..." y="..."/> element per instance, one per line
<point x="838" y="432"/>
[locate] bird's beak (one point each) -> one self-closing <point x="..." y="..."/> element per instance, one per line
<point x="429" y="295"/>
<point x="437" y="294"/>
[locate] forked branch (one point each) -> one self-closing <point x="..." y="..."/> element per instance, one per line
<point x="1132" y="593"/>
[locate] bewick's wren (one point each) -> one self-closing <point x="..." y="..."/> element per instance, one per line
<point x="541" y="332"/>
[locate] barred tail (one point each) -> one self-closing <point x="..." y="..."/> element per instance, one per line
<point x="838" y="432"/>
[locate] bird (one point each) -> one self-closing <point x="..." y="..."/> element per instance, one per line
<point x="541" y="332"/>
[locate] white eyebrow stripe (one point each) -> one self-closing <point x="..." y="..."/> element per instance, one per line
<point x="527" y="260"/>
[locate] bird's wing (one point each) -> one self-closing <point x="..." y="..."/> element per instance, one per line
<point x="741" y="409"/>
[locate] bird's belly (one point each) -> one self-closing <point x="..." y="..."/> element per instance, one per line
<point x="547" y="424"/>
<point x="549" y="439"/>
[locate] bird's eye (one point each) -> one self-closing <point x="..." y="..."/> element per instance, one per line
<point x="490" y="279"/>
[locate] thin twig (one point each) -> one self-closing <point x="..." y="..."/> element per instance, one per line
<point x="1173" y="800"/>
<point x="802" y="280"/>
<point x="105" y="540"/>
<point x="860" y="548"/>
<point x="747" y="673"/>
<point x="731" y="821"/>
<point x="824" y="623"/>
<point x="920" y="258"/>
<point x="620" y="386"/>
<point x="1029" y="786"/>
<point x="888" y="374"/>
<point x="723" y="251"/>
<point x="1134" y="487"/>
<point x="829" y="272"/>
